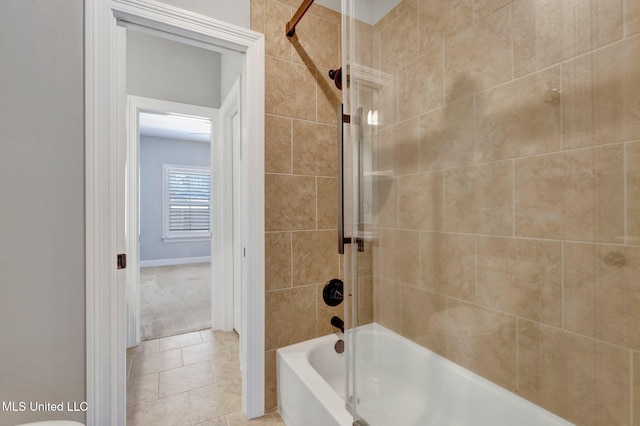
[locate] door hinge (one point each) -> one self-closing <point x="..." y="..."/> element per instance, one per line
<point x="122" y="261"/>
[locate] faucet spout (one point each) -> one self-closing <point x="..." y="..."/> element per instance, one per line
<point x="337" y="322"/>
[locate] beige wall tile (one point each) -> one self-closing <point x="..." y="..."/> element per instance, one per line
<point x="549" y="31"/>
<point x="385" y="207"/>
<point x="277" y="144"/>
<point x="446" y="136"/>
<point x="521" y="277"/>
<point x="365" y="300"/>
<point x="423" y="93"/>
<point x="257" y="15"/>
<point x="633" y="192"/>
<point x="388" y="102"/>
<point x="419" y="309"/>
<point x="386" y="20"/>
<point x="276" y="16"/>
<point x="277" y="248"/>
<point x="480" y="57"/>
<point x="365" y="259"/>
<point x="387" y="303"/>
<point x="482" y="8"/>
<point x="364" y="52"/>
<point x="575" y="377"/>
<point x="636" y="388"/>
<point x="315" y="257"/>
<point x="290" y="89"/>
<point x="421" y="199"/>
<point x="601" y="292"/>
<point x="329" y="97"/>
<point x="482" y="341"/>
<point x="290" y="202"/>
<point x="478" y="199"/>
<point x="316" y="43"/>
<point x="314" y="149"/>
<point x="399" y="253"/>
<point x="325" y="13"/>
<point x="398" y="41"/>
<point x="599" y="100"/>
<point x="327" y="203"/>
<point x="519" y="118"/>
<point x="448" y="264"/>
<point x="270" y="380"/>
<point x="400" y="147"/>
<point x="574" y="195"/>
<point x="632" y="21"/>
<point x="406" y="5"/>
<point x="442" y="19"/>
<point x="290" y="316"/>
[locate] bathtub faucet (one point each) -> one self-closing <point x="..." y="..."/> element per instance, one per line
<point x="337" y="322"/>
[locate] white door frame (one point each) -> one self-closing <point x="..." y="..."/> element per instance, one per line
<point x="135" y="105"/>
<point x="105" y="128"/>
<point x="229" y="167"/>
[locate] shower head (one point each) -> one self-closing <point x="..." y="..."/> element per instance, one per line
<point x="336" y="76"/>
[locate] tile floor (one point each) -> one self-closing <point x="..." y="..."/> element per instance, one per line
<point x="188" y="379"/>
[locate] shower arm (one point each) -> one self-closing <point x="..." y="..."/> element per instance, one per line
<point x="291" y="25"/>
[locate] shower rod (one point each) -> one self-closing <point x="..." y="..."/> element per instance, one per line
<point x="291" y="25"/>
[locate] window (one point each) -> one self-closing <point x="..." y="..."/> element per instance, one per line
<point x="186" y="213"/>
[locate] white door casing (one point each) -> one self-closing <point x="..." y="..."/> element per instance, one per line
<point x="105" y="150"/>
<point x="136" y="104"/>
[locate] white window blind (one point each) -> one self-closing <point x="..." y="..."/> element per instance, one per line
<point x="186" y="201"/>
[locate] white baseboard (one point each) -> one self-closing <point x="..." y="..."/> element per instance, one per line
<point x="178" y="261"/>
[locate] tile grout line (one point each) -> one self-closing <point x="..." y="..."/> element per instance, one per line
<point x="625" y="188"/>
<point x="631" y="374"/>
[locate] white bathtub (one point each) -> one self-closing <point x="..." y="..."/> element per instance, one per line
<point x="414" y="385"/>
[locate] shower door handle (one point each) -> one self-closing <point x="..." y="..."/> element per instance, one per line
<point x="341" y="120"/>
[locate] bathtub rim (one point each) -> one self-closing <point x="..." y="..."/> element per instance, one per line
<point x="296" y="356"/>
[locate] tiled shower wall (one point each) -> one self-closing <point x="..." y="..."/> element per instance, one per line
<point x="507" y="228"/>
<point x="301" y="174"/>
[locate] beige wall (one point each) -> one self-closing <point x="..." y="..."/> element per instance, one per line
<point x="300" y="181"/>
<point x="508" y="238"/>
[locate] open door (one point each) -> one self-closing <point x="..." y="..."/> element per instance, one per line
<point x="231" y="144"/>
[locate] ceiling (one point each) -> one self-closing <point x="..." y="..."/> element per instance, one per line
<point x="175" y="126"/>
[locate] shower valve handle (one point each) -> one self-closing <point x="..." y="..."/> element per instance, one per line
<point x="332" y="294"/>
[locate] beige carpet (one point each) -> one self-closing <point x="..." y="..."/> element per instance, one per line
<point x="174" y="299"/>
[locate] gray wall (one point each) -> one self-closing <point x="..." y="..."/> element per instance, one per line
<point x="236" y="12"/>
<point x="42" y="286"/>
<point x="154" y="152"/>
<point x="164" y="69"/>
<point x="42" y="252"/>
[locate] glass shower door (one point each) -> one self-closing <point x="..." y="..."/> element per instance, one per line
<point x="492" y="184"/>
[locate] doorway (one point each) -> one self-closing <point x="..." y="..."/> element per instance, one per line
<point x="169" y="282"/>
<point x="106" y="219"/>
